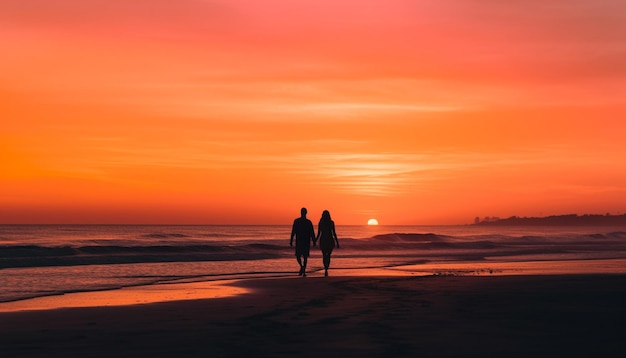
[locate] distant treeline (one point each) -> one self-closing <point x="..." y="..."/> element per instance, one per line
<point x="556" y="220"/>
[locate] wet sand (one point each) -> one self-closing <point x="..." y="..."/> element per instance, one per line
<point x="345" y="316"/>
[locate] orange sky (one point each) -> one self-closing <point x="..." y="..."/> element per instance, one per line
<point x="241" y="112"/>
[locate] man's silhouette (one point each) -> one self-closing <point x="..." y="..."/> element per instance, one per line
<point x="303" y="231"/>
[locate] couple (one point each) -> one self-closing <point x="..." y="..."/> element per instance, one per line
<point x="303" y="231"/>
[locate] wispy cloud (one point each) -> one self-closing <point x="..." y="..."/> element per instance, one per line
<point x="354" y="108"/>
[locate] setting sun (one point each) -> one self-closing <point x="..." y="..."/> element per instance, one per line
<point x="372" y="222"/>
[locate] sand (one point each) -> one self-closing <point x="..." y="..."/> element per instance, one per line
<point x="400" y="316"/>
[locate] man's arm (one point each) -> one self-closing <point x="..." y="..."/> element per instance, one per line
<point x="318" y="235"/>
<point x="313" y="233"/>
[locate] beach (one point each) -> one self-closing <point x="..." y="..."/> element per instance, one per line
<point x="231" y="291"/>
<point x="345" y="316"/>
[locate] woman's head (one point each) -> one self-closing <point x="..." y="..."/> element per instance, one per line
<point x="326" y="215"/>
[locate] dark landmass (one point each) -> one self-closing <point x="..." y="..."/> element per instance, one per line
<point x="556" y="220"/>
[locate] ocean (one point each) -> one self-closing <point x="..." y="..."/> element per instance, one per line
<point x="45" y="260"/>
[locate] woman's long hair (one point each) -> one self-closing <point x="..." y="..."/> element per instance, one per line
<point x="325" y="220"/>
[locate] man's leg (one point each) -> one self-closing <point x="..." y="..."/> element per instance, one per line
<point x="305" y="259"/>
<point x="300" y="263"/>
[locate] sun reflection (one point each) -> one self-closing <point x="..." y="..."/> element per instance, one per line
<point x="129" y="296"/>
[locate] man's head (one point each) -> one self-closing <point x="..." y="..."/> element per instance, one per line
<point x="303" y="212"/>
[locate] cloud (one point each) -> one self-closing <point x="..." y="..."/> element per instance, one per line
<point x="345" y="110"/>
<point x="106" y="18"/>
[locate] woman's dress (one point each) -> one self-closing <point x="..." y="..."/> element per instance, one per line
<point x="327" y="241"/>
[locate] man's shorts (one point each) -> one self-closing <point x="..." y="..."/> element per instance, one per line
<point x="303" y="250"/>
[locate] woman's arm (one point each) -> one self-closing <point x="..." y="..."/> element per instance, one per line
<point x="334" y="233"/>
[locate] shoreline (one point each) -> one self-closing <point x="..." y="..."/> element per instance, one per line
<point x="230" y="285"/>
<point x="348" y="316"/>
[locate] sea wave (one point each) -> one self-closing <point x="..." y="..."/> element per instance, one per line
<point x="408" y="237"/>
<point x="482" y="246"/>
<point x="43" y="260"/>
<point x="33" y="255"/>
<point x="163" y="236"/>
<point x="425" y="245"/>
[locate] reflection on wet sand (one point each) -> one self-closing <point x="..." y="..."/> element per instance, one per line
<point x="129" y="296"/>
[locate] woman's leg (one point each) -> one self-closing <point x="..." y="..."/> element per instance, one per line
<point x="326" y="259"/>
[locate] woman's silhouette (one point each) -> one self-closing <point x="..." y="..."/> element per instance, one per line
<point x="327" y="238"/>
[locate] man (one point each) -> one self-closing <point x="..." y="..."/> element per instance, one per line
<point x="303" y="231"/>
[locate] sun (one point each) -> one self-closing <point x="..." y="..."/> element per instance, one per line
<point x="372" y="222"/>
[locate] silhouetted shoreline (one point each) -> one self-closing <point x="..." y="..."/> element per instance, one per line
<point x="556" y="220"/>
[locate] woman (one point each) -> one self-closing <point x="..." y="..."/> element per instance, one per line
<point x="327" y="238"/>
